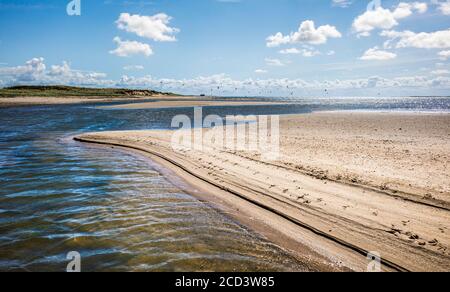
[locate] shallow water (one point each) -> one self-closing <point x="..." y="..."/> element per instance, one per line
<point x="58" y="196"/>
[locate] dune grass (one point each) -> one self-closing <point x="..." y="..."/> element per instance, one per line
<point x="70" y="91"/>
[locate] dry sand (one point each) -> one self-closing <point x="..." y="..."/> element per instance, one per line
<point x="154" y="102"/>
<point x="345" y="184"/>
<point x="30" y="101"/>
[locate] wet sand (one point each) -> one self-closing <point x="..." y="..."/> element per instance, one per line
<point x="147" y="102"/>
<point x="185" y="103"/>
<point x="345" y="184"/>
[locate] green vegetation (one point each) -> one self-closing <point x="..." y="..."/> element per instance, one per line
<point x="69" y="91"/>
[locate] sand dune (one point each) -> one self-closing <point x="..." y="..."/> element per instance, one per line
<point x="345" y="184"/>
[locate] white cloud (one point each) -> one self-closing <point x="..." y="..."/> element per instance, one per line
<point x="440" y="72"/>
<point x="444" y="7"/>
<point x="381" y="18"/>
<point x="274" y="62"/>
<point x="331" y="53"/>
<point x="342" y="3"/>
<point x="307" y="34"/>
<point x="290" y="51"/>
<point x="306" y="52"/>
<point x="277" y="40"/>
<point x="133" y="67"/>
<point x="444" y="55"/>
<point x="128" y="48"/>
<point x="310" y="53"/>
<point x="375" y="54"/>
<point x="31" y="71"/>
<point x="63" y="74"/>
<point x="60" y="70"/>
<point x="260" y="71"/>
<point x="154" y="27"/>
<point x="422" y="40"/>
<point x="252" y="86"/>
<point x="35" y="72"/>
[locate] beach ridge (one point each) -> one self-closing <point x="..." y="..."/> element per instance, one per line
<point x="356" y="218"/>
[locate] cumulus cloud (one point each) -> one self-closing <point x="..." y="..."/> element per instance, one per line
<point x="64" y="74"/>
<point x="60" y="70"/>
<point x="128" y="48"/>
<point x="381" y="18"/>
<point x="443" y="7"/>
<point x="154" y="27"/>
<point x="422" y="40"/>
<point x="284" y="85"/>
<point x="307" y="34"/>
<point x="31" y="71"/>
<point x="35" y="72"/>
<point x="375" y="54"/>
<point x="278" y="39"/>
<point x="444" y="55"/>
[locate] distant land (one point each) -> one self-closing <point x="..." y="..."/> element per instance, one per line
<point x="70" y="91"/>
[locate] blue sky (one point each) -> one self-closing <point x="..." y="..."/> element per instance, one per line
<point x="235" y="47"/>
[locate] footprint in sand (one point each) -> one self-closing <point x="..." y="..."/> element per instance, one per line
<point x="433" y="242"/>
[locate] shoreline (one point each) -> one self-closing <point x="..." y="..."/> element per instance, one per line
<point x="237" y="209"/>
<point x="294" y="239"/>
<point x="315" y="218"/>
<point x="23" y="101"/>
<point x="130" y="103"/>
<point x="186" y="104"/>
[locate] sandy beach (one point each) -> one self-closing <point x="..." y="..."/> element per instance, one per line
<point x="346" y="184"/>
<point x="150" y="102"/>
<point x="185" y="103"/>
<point x="36" y="100"/>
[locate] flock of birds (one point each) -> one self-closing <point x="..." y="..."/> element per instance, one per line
<point x="260" y="92"/>
<point x="264" y="92"/>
